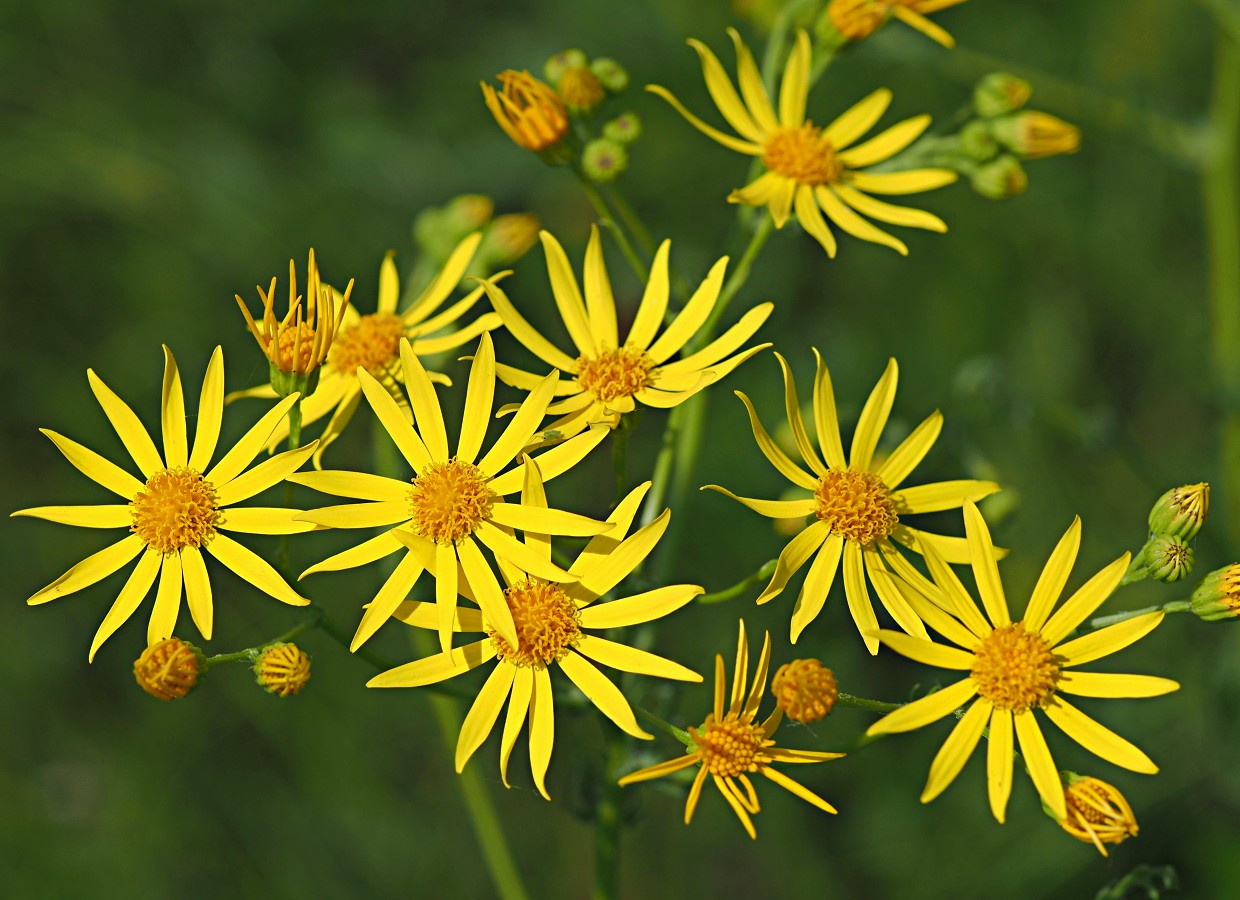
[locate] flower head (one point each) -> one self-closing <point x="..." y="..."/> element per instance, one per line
<point x="805" y="690"/>
<point x="530" y="112"/>
<point x="168" y="669"/>
<point x="1218" y="595"/>
<point x="731" y="745"/>
<point x="178" y="512"/>
<point x="552" y="622"/>
<point x="1015" y="668"/>
<point x="1033" y="135"/>
<point x="283" y="669"/>
<point x="812" y="170"/>
<point x="297" y="345"/>
<point x="371" y="343"/>
<point x="454" y="502"/>
<point x="857" y="505"/>
<point x="1181" y="511"/>
<point x="858" y="19"/>
<point x="608" y="378"/>
<point x="1097" y="812"/>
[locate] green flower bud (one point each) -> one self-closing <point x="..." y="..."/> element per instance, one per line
<point x="999" y="93"/>
<point x="604" y="160"/>
<point x="1033" y="135"/>
<point x="1181" y="511"/>
<point x="613" y="76"/>
<point x="556" y="65"/>
<point x="1167" y="558"/>
<point x="1218" y="597"/>
<point x="977" y="143"/>
<point x="1004" y="177"/>
<point x="623" y="129"/>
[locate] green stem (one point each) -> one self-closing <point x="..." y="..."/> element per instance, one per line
<point x="878" y="706"/>
<point x="1174" y="606"/>
<point x="607" y="822"/>
<point x="666" y="727"/>
<point x="735" y="282"/>
<point x="745" y="584"/>
<point x="612" y="223"/>
<point x="1136" y="570"/>
<point x="619" y="455"/>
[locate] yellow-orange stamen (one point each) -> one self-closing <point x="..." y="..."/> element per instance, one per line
<point x="803" y="154"/>
<point x="176" y="509"/>
<point x="857" y="505"/>
<point x="373" y="344"/>
<point x="731" y="747"/>
<point x="614" y="373"/>
<point x="448" y="500"/>
<point x="167" y="669"/>
<point x="283" y="669"/>
<point x="548" y="623"/>
<point x="805" y="690"/>
<point x="1015" y="669"/>
<point x="1097" y="813"/>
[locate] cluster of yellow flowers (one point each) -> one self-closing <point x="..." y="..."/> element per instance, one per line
<point x="456" y="509"/>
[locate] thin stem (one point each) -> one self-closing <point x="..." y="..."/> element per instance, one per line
<point x="619" y="455"/>
<point x="1174" y="606"/>
<point x="607" y="822"/>
<point x="745" y="584"/>
<point x="878" y="706"/>
<point x="611" y="222"/>
<point x="735" y="281"/>
<point x="1136" y="570"/>
<point x="666" y="727"/>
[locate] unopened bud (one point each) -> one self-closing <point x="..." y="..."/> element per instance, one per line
<point x="556" y="65"/>
<point x="805" y="690"/>
<point x="467" y="212"/>
<point x="1167" y="558"/>
<point x="604" y="160"/>
<point x="1218" y="597"/>
<point x="1181" y="511"/>
<point x="169" y="669"/>
<point x="282" y="669"/>
<point x="1097" y="812"/>
<point x="580" y="90"/>
<point x="623" y="129"/>
<point x="856" y="19"/>
<point x="1033" y="135"/>
<point x="611" y="74"/>
<point x="999" y="93"/>
<point x="530" y="113"/>
<point x="977" y="143"/>
<point x="509" y="238"/>
<point x="1004" y="177"/>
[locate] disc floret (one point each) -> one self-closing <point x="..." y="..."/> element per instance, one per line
<point x="1015" y="669"/>
<point x="548" y="624"/>
<point x="177" y="508"/>
<point x="449" y="500"/>
<point x="857" y="505"/>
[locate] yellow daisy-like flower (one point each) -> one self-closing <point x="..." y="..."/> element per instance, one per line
<point x="609" y="378"/>
<point x="856" y="505"/>
<point x="731" y="745"/>
<point x="371" y="343"/>
<point x="453" y="503"/>
<point x="1016" y="667"/>
<point x="812" y="170"/>
<point x="550" y="620"/>
<point x="858" y="19"/>
<point x="179" y="509"/>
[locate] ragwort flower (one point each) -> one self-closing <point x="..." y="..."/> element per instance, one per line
<point x="731" y="746"/>
<point x="856" y="505"/>
<point x="812" y="170"/>
<point x="454" y="502"/>
<point x="553" y="621"/>
<point x="179" y="510"/>
<point x="609" y="378"/>
<point x="371" y="343"/>
<point x="1015" y="668"/>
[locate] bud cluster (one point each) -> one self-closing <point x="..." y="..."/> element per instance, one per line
<point x="1174" y="521"/>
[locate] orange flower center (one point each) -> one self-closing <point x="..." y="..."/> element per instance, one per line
<point x="614" y="373"/>
<point x="176" y="509"/>
<point x="449" y="500"/>
<point x="805" y="690"/>
<point x="296" y="348"/>
<point x="548" y="624"/>
<point x="372" y="344"/>
<point x="1015" y="668"/>
<point x="730" y="748"/>
<point x="803" y="154"/>
<point x="856" y="505"/>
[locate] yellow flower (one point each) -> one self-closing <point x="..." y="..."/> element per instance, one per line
<point x="608" y="378"/>
<point x="168" y="669"/>
<point x="1016" y="667"/>
<point x="858" y="19"/>
<point x="856" y="505"/>
<point x="1097" y="812"/>
<point x="297" y="344"/>
<point x="181" y="508"/>
<point x="550" y="618"/>
<point x="811" y="170"/>
<point x="283" y="669"/>
<point x="730" y="745"/>
<point x="530" y="112"/>
<point x="453" y="503"/>
<point x="371" y="343"/>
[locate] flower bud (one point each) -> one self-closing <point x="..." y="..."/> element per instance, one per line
<point x="465" y="213"/>
<point x="1033" y="135"/>
<point x="856" y="20"/>
<point x="1218" y="597"/>
<point x="580" y="90"/>
<point x="1004" y="177"/>
<point x="555" y="66"/>
<point x="604" y="160"/>
<point x="1167" y="558"/>
<point x="508" y="239"/>
<point x="623" y="129"/>
<point x="611" y="74"/>
<point x="530" y="113"/>
<point x="1097" y="812"/>
<point x="282" y="669"/>
<point x="1181" y="511"/>
<point x="999" y="93"/>
<point x="805" y="690"/>
<point x="977" y="143"/>
<point x="169" y="669"/>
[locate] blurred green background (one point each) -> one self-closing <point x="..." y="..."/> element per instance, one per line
<point x="156" y="158"/>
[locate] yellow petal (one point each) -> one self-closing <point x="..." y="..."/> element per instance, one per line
<point x="434" y="669"/>
<point x="772" y="509"/>
<point x="541" y="520"/>
<point x="985" y="568"/>
<point x="1106" y="641"/>
<point x="794" y="788"/>
<point x="630" y="659"/>
<point x="916" y="20"/>
<point x="886" y="144"/>
<point x="210" y="413"/>
<point x="794" y="88"/>
<point x="424" y="402"/>
<point x="928" y="709"/>
<point x="724" y="94"/>
<point x="266" y="474"/>
<point x="360" y="485"/>
<point x="792" y="407"/>
<point x="717" y="349"/>
<point x="129" y="599"/>
<point x="375" y="514"/>
<point x="542" y="729"/>
<point x="1039" y="762"/>
<point x="858" y="597"/>
<point x="602" y="693"/>
<point x="603" y="573"/>
<point x="890" y="596"/>
<point x="658" y="770"/>
<point x="752" y="88"/>
<point x="236" y="460"/>
<point x="1085" y="601"/>
<point x="749" y="148"/>
<point x="366" y="552"/>
<point x="692" y="317"/>
<point x="479" y="399"/>
<point x="568" y="295"/>
<point x="521" y="427"/>
<point x="811" y="219"/>
<point x="482" y="714"/>
<point x="639" y="608"/>
<point x="928" y="652"/>
<point x="889" y="213"/>
<point x="818" y="582"/>
<point x="127" y="426"/>
<point x="95" y="467"/>
<point x="554" y="462"/>
<point x="1054" y="576"/>
<point x="842" y="215"/>
<point x="163" y="621"/>
<point x="874" y="418"/>
<point x="858" y="119"/>
<point x="443" y="285"/>
<point x="394" y="590"/>
<point x="941" y="495"/>
<point x="94" y="568"/>
<point x="999" y="763"/>
<point x="774" y="453"/>
<point x="826" y="421"/>
<point x="108" y="516"/>
<point x="913" y="181"/>
<point x="600" y="304"/>
<point x="912" y="450"/>
<point x="197" y="590"/>
<point x="524" y="332"/>
<point x="510" y="550"/>
<point x="1107" y="684"/>
<point x="518" y="706"/>
<point x="1097" y="738"/>
<point x="956" y="750"/>
<point x="254" y="569"/>
<point x="486" y="589"/>
<point x="794" y="555"/>
<point x="172" y="415"/>
<point x="653" y="306"/>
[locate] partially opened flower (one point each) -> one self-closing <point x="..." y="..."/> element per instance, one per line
<point x="858" y="19"/>
<point x="730" y="745"/>
<point x="178" y="509"/>
<point x="856" y="506"/>
<point x="1017" y="667"/>
<point x="610" y="377"/>
<point x="553" y="625"/>
<point x="453" y="502"/>
<point x="371" y="343"/>
<point x="1097" y="812"/>
<point x="812" y="170"/>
